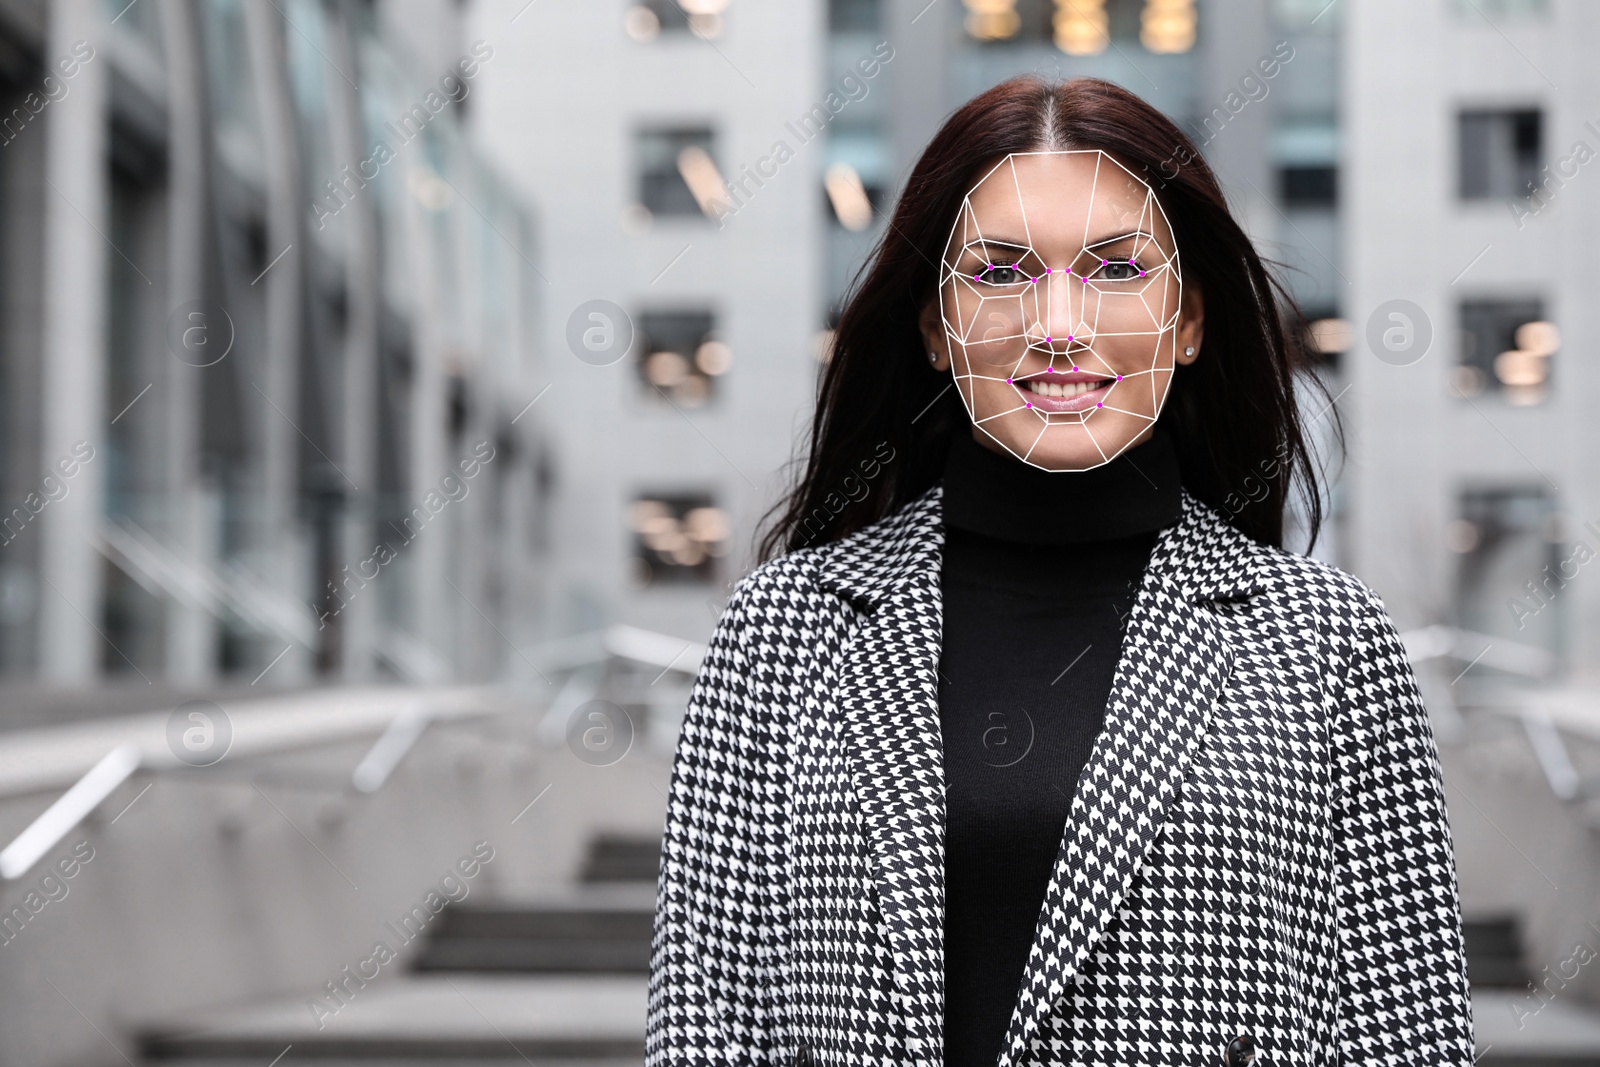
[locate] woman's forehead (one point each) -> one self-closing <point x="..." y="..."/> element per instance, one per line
<point x="1060" y="201"/>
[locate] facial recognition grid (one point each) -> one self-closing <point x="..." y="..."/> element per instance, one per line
<point x="997" y="317"/>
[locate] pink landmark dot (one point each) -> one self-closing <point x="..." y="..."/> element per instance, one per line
<point x="1098" y="404"/>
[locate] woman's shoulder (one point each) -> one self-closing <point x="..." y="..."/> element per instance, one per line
<point x="779" y="580"/>
<point x="1295" y="581"/>
<point x="858" y="567"/>
<point x="1341" y="602"/>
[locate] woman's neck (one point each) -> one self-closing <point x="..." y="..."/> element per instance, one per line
<point x="995" y="494"/>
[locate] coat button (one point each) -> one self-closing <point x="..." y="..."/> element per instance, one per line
<point x="1241" y="1052"/>
<point x="804" y="1057"/>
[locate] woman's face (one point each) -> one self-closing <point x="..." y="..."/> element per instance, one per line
<point x="1061" y="310"/>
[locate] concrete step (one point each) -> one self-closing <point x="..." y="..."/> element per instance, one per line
<point x="423" y="1021"/>
<point x="1494" y="952"/>
<point x="598" y="929"/>
<point x="616" y="858"/>
<point x="433" y="1020"/>
<point x="1517" y="1030"/>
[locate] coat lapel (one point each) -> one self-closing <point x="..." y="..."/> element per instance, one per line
<point x="1175" y="659"/>
<point x="888" y="706"/>
<point x="1173" y="665"/>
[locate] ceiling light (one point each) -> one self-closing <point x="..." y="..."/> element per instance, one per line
<point x="1167" y="25"/>
<point x="1540" y="338"/>
<point x="641" y="23"/>
<point x="992" y="20"/>
<point x="848" y="196"/>
<point x="1081" y="27"/>
<point x="704" y="180"/>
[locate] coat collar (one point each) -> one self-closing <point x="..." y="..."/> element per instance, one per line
<point x="1174" y="661"/>
<point x="904" y="550"/>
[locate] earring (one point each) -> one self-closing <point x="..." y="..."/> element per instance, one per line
<point x="933" y="357"/>
<point x="1188" y="350"/>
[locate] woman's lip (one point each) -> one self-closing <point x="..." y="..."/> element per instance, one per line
<point x="1061" y="377"/>
<point x="1089" y="399"/>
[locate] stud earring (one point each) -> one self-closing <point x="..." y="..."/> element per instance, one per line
<point x="1188" y="350"/>
<point x="933" y="357"/>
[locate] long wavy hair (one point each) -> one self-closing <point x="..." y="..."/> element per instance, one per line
<point x="883" y="418"/>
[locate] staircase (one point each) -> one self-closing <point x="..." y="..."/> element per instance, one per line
<point x="559" y="980"/>
<point x="555" y="980"/>
<point x="603" y="927"/>
<point x="1514" y="1027"/>
<point x="1494" y="953"/>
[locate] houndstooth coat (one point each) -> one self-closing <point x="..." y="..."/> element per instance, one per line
<point x="1257" y="857"/>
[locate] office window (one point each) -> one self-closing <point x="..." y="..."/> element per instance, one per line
<point x="669" y="16"/>
<point x="681" y="357"/>
<point x="1307" y="16"/>
<point x="648" y="19"/>
<point x="1085" y="27"/>
<point x="1081" y="27"/>
<point x="1305" y="153"/>
<point x="1499" y="10"/>
<point x="855" y="16"/>
<point x="1505" y="347"/>
<point x="1165" y="26"/>
<point x="677" y="174"/>
<point x="1089" y="27"/>
<point x="1499" y="153"/>
<point x="677" y="538"/>
<point x="992" y="20"/>
<point x="857" y="174"/>
<point x="1329" y="335"/>
<point x="852" y="203"/>
<point x="1509" y="574"/>
<point x="1308" y="186"/>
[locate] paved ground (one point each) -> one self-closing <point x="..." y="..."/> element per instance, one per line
<point x="441" y="1017"/>
<point x="599" y="1020"/>
<point x="1508" y="1031"/>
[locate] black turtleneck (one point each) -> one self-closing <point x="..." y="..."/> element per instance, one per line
<point x="1039" y="572"/>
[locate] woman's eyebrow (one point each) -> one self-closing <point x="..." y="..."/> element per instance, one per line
<point x="998" y="244"/>
<point x="1114" y="238"/>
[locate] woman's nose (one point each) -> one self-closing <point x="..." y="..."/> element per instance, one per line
<point x="1060" y="306"/>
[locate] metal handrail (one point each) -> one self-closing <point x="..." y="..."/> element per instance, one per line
<point x="59" y="819"/>
<point x="277" y="726"/>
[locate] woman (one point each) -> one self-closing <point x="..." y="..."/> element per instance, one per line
<point x="1036" y="746"/>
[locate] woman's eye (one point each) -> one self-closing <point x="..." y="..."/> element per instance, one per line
<point x="1002" y="274"/>
<point x="1119" y="270"/>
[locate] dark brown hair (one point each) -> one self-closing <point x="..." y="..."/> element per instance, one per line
<point x="883" y="418"/>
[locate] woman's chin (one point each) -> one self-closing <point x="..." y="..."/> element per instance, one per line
<point x="1065" y="446"/>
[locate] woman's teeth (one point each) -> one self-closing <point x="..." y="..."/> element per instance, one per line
<point x="1044" y="388"/>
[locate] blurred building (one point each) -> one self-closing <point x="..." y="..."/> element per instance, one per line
<point x="268" y="335"/>
<point x="720" y="170"/>
<point x="1253" y="82"/>
<point x="674" y="153"/>
<point x="1471" y="230"/>
<point x="290" y="395"/>
<point x="1470" y="223"/>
